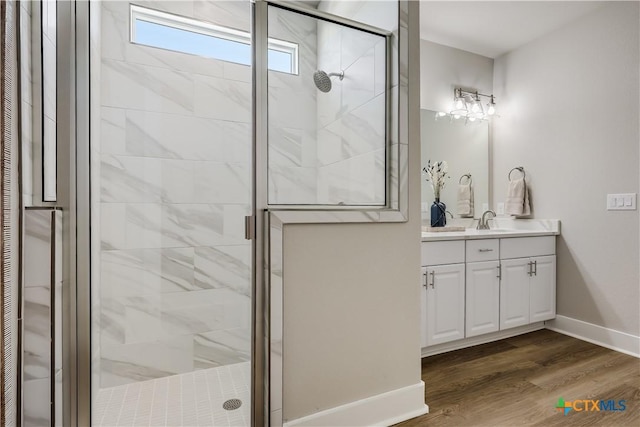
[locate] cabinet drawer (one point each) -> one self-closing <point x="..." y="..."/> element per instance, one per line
<point x="482" y="250"/>
<point x="437" y="253"/>
<point x="520" y="247"/>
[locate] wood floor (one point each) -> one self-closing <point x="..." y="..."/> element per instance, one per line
<point x="517" y="381"/>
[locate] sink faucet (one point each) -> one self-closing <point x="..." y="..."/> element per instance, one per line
<point x="482" y="224"/>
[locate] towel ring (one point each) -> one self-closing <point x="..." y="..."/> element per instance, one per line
<point x="466" y="175"/>
<point x="518" y="168"/>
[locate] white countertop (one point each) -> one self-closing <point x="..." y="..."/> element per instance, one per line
<point x="500" y="228"/>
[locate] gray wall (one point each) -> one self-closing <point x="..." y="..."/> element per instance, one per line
<point x="569" y="106"/>
<point x="352" y="296"/>
<point x="443" y="68"/>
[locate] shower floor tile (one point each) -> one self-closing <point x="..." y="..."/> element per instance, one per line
<point x="191" y="399"/>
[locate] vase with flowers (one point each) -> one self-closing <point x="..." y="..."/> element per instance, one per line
<point x="436" y="175"/>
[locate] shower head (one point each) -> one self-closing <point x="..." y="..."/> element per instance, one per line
<point x="323" y="80"/>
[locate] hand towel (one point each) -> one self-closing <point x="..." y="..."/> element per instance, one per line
<point x="518" y="198"/>
<point x="465" y="200"/>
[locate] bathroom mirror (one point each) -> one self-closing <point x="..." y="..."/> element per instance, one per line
<point x="465" y="147"/>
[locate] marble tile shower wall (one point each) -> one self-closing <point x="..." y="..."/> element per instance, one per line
<point x="41" y="309"/>
<point x="351" y="127"/>
<point x="293" y="164"/>
<point x="175" y="172"/>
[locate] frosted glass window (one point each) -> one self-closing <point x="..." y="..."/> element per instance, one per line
<point x="166" y="31"/>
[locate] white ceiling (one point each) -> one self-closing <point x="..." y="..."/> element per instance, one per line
<point x="492" y="28"/>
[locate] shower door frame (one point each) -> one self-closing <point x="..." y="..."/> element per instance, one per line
<point x="74" y="97"/>
<point x="272" y="219"/>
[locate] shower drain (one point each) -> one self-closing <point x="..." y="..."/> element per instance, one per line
<point x="232" y="404"/>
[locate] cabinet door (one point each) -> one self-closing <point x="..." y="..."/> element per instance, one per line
<point x="445" y="303"/>
<point x="542" y="289"/>
<point x="423" y="308"/>
<point x="514" y="293"/>
<point x="483" y="298"/>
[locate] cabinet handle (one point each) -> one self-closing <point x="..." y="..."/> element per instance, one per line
<point x="535" y="268"/>
<point x="425" y="279"/>
<point x="485" y="250"/>
<point x="433" y="279"/>
<point x="499" y="276"/>
<point x="530" y="272"/>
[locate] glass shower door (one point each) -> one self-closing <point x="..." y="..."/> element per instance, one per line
<point x="171" y="178"/>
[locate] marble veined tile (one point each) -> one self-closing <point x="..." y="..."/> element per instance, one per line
<point x="178" y="181"/>
<point x="291" y="107"/>
<point x="37" y="247"/>
<point x="37" y="333"/>
<point x="358" y="132"/>
<point x="220" y="348"/>
<point x="222" y="182"/>
<point x="144" y="225"/>
<point x="292" y="185"/>
<point x="358" y="86"/>
<point x="364" y="174"/>
<point x="329" y="104"/>
<point x="285" y="147"/>
<point x="112" y="226"/>
<point x="128" y="363"/>
<point x="224" y="267"/>
<point x="204" y="311"/>
<point x="112" y="131"/>
<point x="355" y="44"/>
<point x="143" y="87"/>
<point x="143" y="271"/>
<point x="222" y="99"/>
<point x="380" y="69"/>
<point x="329" y="45"/>
<point x="187" y="225"/>
<point x="363" y="129"/>
<point x="230" y="13"/>
<point x="131" y="179"/>
<point x="199" y="298"/>
<point x="193" y="320"/>
<point x="182" y="137"/>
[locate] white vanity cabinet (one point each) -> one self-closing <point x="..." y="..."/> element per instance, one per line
<point x="528" y="285"/>
<point x="443" y="292"/>
<point x="482" y="287"/>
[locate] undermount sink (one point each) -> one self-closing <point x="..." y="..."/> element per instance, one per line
<point x="491" y="230"/>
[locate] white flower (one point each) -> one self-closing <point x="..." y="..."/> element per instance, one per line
<point x="436" y="174"/>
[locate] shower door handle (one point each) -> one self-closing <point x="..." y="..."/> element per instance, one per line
<point x="249" y="227"/>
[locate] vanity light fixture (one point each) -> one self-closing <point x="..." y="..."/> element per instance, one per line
<point x="467" y="105"/>
<point x="491" y="107"/>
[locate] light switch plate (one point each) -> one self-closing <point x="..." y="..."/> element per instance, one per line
<point x="621" y="202"/>
<point x="500" y="208"/>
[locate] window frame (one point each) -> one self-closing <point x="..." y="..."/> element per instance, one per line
<point x="207" y="29"/>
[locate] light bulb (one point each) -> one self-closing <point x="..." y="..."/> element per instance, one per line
<point x="475" y="107"/>
<point x="441" y="113"/>
<point x="456" y="116"/>
<point x="459" y="104"/>
<point x="491" y="109"/>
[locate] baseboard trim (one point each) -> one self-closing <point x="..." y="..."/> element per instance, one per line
<point x="380" y="410"/>
<point x="596" y="334"/>
<point x="481" y="339"/>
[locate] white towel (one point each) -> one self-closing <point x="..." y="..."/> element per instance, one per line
<point x="518" y="198"/>
<point x="465" y="200"/>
